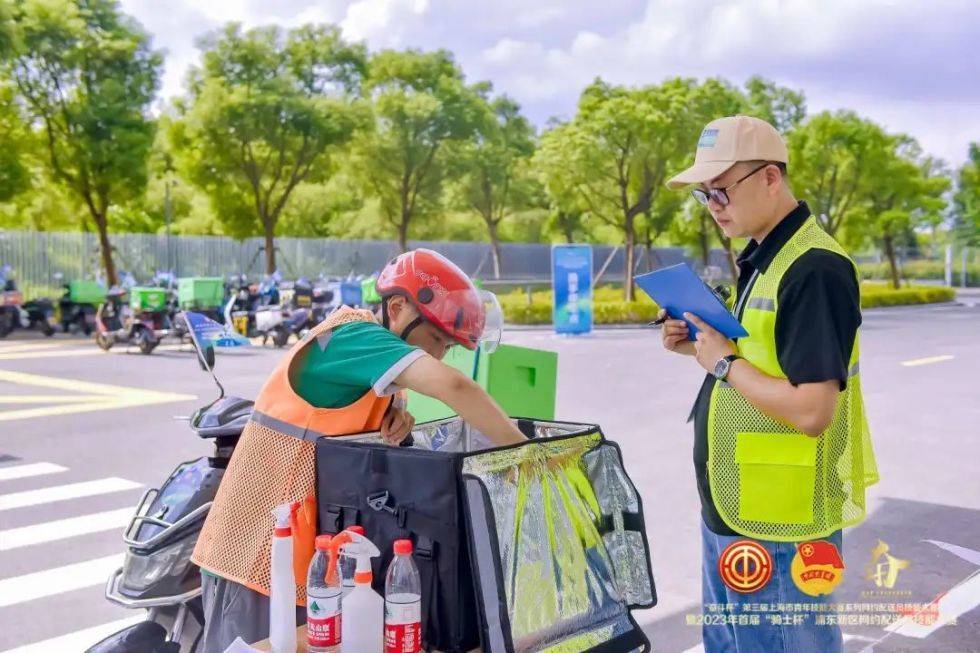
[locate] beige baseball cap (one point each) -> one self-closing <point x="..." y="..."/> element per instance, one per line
<point x="726" y="141"/>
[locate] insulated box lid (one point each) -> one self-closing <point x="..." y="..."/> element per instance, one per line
<point x="521" y="379"/>
<point x="147" y="298"/>
<point x="86" y="292"/>
<point x="200" y="292"/>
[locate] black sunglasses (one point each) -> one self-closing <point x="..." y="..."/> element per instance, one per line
<point x="720" y="195"/>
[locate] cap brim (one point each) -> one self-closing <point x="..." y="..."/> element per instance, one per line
<point x="700" y="173"/>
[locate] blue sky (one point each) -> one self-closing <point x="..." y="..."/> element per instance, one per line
<point x="909" y="65"/>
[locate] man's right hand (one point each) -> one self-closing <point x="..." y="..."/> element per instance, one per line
<point x="674" y="336"/>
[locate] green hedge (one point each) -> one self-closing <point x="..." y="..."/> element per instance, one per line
<point x="923" y="270"/>
<point x="874" y="295"/>
<point x="609" y="308"/>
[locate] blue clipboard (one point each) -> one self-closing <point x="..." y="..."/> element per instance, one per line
<point x="678" y="290"/>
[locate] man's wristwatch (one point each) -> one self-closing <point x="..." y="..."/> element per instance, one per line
<point x="723" y="366"/>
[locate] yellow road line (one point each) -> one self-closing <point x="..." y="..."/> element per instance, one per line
<point x="926" y="361"/>
<point x="106" y="396"/>
<point x="92" y="350"/>
<point x="12" y="347"/>
<point x="47" y="399"/>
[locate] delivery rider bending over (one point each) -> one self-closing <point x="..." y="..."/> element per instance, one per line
<point x="341" y="379"/>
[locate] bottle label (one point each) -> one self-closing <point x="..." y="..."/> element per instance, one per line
<point x="403" y="627"/>
<point x="323" y="620"/>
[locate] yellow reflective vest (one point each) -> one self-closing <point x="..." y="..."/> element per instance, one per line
<point x="768" y="480"/>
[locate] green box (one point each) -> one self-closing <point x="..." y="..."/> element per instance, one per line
<point x="200" y="292"/>
<point x="86" y="292"/>
<point x="522" y="380"/>
<point x="148" y="298"/>
<point x="369" y="291"/>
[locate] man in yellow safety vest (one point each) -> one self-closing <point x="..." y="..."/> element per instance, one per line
<point x="782" y="454"/>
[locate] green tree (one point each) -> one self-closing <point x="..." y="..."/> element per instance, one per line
<point x="267" y="110"/>
<point x="15" y="140"/>
<point x="495" y="179"/>
<point x="966" y="201"/>
<point x="422" y="107"/>
<point x="909" y="194"/>
<point x="833" y="161"/>
<point x="86" y="75"/>
<point x="616" y="154"/>
<point x="781" y="107"/>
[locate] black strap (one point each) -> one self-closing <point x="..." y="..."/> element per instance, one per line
<point x="414" y="324"/>
<point x="332" y="519"/>
<point x="410" y="519"/>
<point x="634" y="639"/>
<point x="632" y="521"/>
<point x="425" y="556"/>
<point x="337" y="518"/>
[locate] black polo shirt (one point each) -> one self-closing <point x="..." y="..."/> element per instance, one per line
<point x="818" y="317"/>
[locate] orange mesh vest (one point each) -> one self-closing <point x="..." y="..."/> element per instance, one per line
<point x="273" y="463"/>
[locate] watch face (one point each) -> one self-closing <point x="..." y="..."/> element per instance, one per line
<point x="721" y="368"/>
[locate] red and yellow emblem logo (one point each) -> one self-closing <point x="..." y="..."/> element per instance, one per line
<point x="817" y="567"/>
<point x="745" y="566"/>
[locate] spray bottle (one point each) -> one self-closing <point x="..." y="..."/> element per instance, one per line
<point x="282" y="590"/>
<point x="362" y="621"/>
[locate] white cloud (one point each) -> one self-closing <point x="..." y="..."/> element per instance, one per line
<point x="382" y="23"/>
<point x="909" y="64"/>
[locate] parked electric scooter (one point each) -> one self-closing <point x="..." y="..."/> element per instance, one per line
<point x="39" y="314"/>
<point x="10" y="301"/>
<point x="270" y="323"/>
<point x="157" y="574"/>
<point x="144" y="321"/>
<point x="78" y="305"/>
<point x="243" y="298"/>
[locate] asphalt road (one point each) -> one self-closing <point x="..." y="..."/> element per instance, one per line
<point x="83" y="434"/>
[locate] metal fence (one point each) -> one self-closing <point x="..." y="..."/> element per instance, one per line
<point x="45" y="259"/>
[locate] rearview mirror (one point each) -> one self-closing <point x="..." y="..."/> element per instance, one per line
<point x="207" y="358"/>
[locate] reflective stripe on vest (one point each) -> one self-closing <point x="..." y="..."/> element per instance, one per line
<point x="273" y="463"/>
<point x="767" y="479"/>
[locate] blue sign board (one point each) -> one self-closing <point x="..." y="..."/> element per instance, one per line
<point x="571" y="283"/>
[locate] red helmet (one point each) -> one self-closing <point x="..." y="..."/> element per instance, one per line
<point x="442" y="293"/>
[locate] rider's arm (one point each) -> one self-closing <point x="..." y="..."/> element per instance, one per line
<point x="431" y="377"/>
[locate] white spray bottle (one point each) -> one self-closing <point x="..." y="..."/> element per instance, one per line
<point x="282" y="595"/>
<point x="362" y="619"/>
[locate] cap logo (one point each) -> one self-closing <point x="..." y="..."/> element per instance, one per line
<point x="708" y="138"/>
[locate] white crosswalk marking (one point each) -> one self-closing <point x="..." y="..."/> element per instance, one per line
<point x="60" y="529"/>
<point x="32" y="469"/>
<point x="57" y="580"/>
<point x="79" y="640"/>
<point x="64" y="492"/>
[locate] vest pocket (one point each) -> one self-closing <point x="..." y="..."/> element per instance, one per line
<point x="777" y="474"/>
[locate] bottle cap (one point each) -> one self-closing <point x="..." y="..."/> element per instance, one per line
<point x="355" y="529"/>
<point x="403" y="547"/>
<point x="323" y="542"/>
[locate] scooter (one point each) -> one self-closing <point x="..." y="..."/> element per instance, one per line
<point x="10" y="301"/>
<point x="79" y="316"/>
<point x="142" y="322"/>
<point x="157" y="574"/>
<point x="270" y="320"/>
<point x="40" y="314"/>
<point x="243" y="299"/>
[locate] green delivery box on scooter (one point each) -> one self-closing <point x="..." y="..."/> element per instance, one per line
<point x="146" y="298"/>
<point x="197" y="293"/>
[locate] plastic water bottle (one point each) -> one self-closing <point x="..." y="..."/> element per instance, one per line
<point x="403" y="602"/>
<point x="348" y="564"/>
<point x="323" y="601"/>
